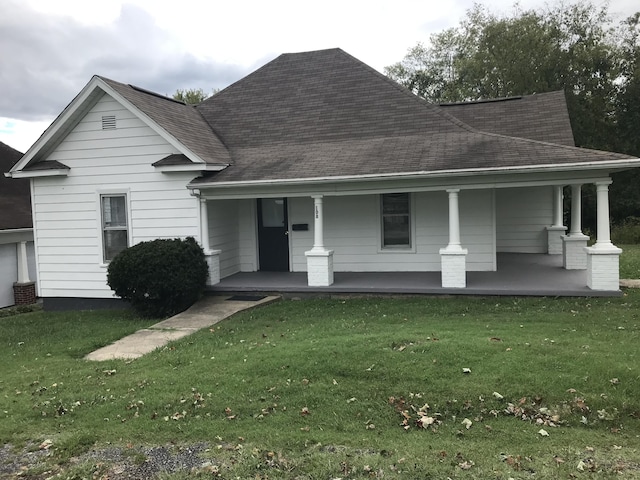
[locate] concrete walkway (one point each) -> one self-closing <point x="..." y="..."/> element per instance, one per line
<point x="206" y="312"/>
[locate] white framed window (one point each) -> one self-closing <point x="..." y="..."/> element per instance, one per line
<point x="396" y="228"/>
<point x="114" y="224"/>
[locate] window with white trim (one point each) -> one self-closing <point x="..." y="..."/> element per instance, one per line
<point x="115" y="229"/>
<point x="396" y="220"/>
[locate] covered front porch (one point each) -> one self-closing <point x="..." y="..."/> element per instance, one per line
<point x="507" y="239"/>
<point x="518" y="274"/>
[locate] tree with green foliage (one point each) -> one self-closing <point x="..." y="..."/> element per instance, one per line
<point x="192" y="96"/>
<point x="572" y="47"/>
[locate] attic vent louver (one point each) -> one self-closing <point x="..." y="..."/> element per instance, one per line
<point x="108" y="122"/>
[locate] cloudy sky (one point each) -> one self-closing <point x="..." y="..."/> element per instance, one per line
<point x="50" y="49"/>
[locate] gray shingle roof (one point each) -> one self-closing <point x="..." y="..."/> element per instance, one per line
<point x="15" y="197"/>
<point x="543" y="117"/>
<point x="325" y="113"/>
<point x="180" y="120"/>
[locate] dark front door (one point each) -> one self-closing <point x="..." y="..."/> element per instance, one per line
<point x="273" y="231"/>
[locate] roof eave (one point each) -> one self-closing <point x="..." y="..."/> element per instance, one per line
<point x="55" y="172"/>
<point x="194" y="167"/>
<point x="567" y="167"/>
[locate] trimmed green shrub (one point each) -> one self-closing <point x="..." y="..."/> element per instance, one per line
<point x="161" y="277"/>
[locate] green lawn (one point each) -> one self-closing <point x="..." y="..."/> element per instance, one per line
<point x="336" y="388"/>
<point x="630" y="261"/>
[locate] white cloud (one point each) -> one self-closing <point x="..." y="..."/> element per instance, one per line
<point x="20" y="134"/>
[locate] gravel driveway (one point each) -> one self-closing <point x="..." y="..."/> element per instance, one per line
<point x="136" y="463"/>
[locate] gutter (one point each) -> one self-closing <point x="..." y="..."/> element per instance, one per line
<point x="16" y="230"/>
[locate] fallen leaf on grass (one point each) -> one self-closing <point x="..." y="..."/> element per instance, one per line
<point x="46" y="444"/>
<point x="424" y="421"/>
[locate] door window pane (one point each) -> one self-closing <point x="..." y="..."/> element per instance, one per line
<point x="273" y="212"/>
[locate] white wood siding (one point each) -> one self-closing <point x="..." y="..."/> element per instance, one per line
<point x="248" y="235"/>
<point x="522" y="215"/>
<point x="224" y="234"/>
<point x="352" y="230"/>
<point x="66" y="211"/>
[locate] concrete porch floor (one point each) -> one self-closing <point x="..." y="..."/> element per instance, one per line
<point x="517" y="274"/>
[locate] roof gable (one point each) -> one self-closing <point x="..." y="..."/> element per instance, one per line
<point x="180" y="124"/>
<point x="181" y="121"/>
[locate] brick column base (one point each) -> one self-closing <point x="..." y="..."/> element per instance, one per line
<point x="319" y="268"/>
<point x="603" y="268"/>
<point x="212" y="258"/>
<point x="454" y="268"/>
<point x="24" y="293"/>
<point x="574" y="256"/>
<point x="554" y="240"/>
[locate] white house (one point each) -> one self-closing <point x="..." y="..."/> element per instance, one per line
<point x="17" y="259"/>
<point x="313" y="163"/>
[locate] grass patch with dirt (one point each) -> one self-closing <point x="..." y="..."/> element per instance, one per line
<point x="339" y="388"/>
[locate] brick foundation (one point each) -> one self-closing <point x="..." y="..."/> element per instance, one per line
<point x="24" y="293"/>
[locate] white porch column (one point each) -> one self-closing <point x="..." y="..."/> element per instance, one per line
<point x="574" y="256"/>
<point x="23" y="264"/>
<point x="212" y="257"/>
<point x="319" y="259"/>
<point x="603" y="232"/>
<point x="603" y="258"/>
<point x="453" y="256"/>
<point x="24" y="290"/>
<point x="557" y="230"/>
